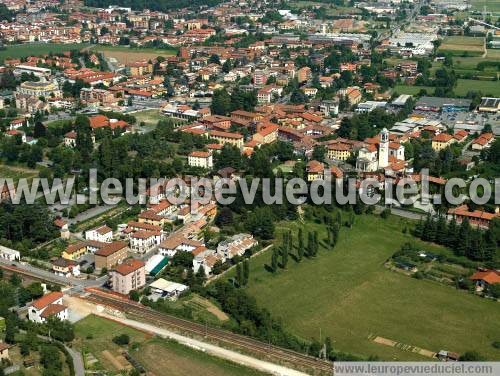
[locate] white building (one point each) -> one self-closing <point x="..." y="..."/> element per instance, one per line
<point x="162" y="288"/>
<point x="201" y="159"/>
<point x="50" y="304"/>
<point x="9" y="254"/>
<point x="235" y="245"/>
<point x="144" y="241"/>
<point x="206" y="259"/>
<point x="102" y="234"/>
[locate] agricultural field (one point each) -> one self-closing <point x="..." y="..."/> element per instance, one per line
<point x="37" y="49"/>
<point x="331" y="10"/>
<point x="412" y="90"/>
<point x="126" y="55"/>
<point x="94" y="337"/>
<point x="459" y="45"/>
<point x="349" y="295"/>
<point x="486" y="87"/>
<point x="491" y="5"/>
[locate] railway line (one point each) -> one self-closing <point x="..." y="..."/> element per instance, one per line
<point x="301" y="361"/>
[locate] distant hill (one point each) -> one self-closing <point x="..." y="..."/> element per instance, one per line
<point x="159" y="5"/>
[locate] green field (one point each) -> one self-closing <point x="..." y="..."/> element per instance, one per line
<point x="486" y="87"/>
<point x="412" y="90"/>
<point x="158" y="356"/>
<point x="459" y="45"/>
<point x="149" y="117"/>
<point x="491" y="5"/>
<point x="37" y="49"/>
<point x="349" y="295"/>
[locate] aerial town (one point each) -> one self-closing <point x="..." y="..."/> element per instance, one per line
<point x="370" y="95"/>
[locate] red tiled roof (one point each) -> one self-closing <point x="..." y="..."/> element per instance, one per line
<point x="47" y="299"/>
<point x="52" y="309"/>
<point x="129" y="266"/>
<point x="489" y="276"/>
<point x="111" y="248"/>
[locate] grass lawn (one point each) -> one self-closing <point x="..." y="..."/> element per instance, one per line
<point x="17" y="172"/>
<point x="36" y="49"/>
<point x="486" y="87"/>
<point x="161" y="357"/>
<point x="349" y="295"/>
<point x="150" y="117"/>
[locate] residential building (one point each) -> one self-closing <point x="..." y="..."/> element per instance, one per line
<point x="201" y="159"/>
<point x="102" y="234"/>
<point x="9" y="254"/>
<point x="482" y="142"/>
<point x="235" y="245"/>
<point x="65" y="268"/>
<point x="127" y="276"/>
<point x="75" y="251"/>
<point x="485" y="278"/>
<point x="50" y="304"/>
<point x="442" y="141"/>
<point x="110" y="255"/>
<point x="235" y="139"/>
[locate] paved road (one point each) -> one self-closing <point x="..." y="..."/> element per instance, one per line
<point x="76" y="283"/>
<point x="77" y="361"/>
<point x="403" y="213"/>
<point x="76" y="356"/>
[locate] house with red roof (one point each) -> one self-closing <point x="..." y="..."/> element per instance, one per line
<point x="127" y="276"/>
<point x="50" y="304"/>
<point x="485" y="278"/>
<point x="484" y="141"/>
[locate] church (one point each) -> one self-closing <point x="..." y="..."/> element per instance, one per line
<point x="379" y="153"/>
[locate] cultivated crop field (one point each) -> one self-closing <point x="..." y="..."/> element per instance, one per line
<point x="37" y="49"/>
<point x="349" y="295"/>
<point x="458" y="45"/>
<point x="126" y="55"/>
<point x="94" y="337"/>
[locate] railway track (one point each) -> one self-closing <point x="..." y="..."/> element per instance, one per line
<point x="268" y="350"/>
<point x="22" y="272"/>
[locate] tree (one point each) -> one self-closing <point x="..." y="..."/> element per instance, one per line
<point x="274" y="260"/>
<point x="284" y="257"/>
<point x="319" y="153"/>
<point x="310" y="245"/>
<point x="300" y="249"/>
<point x="15" y="280"/>
<point x="221" y="102"/>
<point x="224" y="217"/>
<point x="260" y="223"/>
<point x="134" y="295"/>
<point x="239" y="275"/>
<point x="122" y="339"/>
<point x="39" y="130"/>
<point x="246" y="271"/>
<point x="84" y="143"/>
<point x="471" y="356"/>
